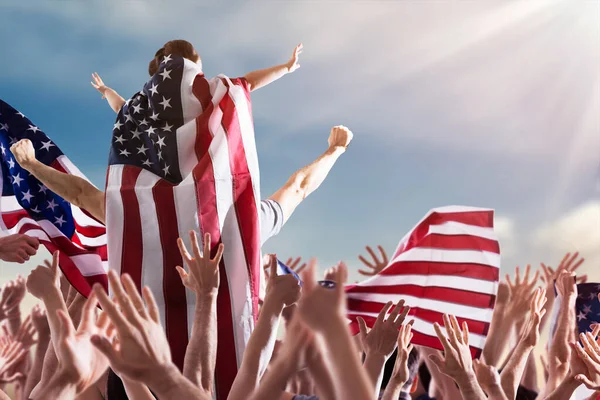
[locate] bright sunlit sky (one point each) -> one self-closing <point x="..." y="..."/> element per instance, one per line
<point x="490" y="103"/>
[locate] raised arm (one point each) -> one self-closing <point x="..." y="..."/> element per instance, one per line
<point x="203" y="280"/>
<point x="262" y="77"/>
<point x="114" y="100"/>
<point x="401" y="372"/>
<point x="306" y="180"/>
<point x="72" y="188"/>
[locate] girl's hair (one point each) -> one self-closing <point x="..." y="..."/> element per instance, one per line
<point x="181" y="48"/>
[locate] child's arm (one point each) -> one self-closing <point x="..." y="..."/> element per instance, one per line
<point x="114" y="100"/>
<point x="260" y="78"/>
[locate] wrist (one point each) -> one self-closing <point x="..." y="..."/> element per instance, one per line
<point x="272" y="305"/>
<point x="336" y="150"/>
<point x="162" y="380"/>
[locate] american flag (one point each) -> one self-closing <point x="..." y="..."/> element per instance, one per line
<point x="183" y="157"/>
<point x="587" y="306"/>
<point x="449" y="263"/>
<point x="29" y="207"/>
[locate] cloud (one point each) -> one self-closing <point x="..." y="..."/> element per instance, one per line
<point x="506" y="233"/>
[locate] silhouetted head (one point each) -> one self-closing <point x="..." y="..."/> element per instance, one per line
<point x="181" y="48"/>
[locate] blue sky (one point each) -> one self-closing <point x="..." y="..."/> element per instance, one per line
<point x="490" y="104"/>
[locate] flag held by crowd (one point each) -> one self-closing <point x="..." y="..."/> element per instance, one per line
<point x="448" y="263"/>
<point x="29" y="207"/>
<point x="183" y="157"/>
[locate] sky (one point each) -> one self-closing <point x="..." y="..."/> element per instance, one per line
<point x="487" y="104"/>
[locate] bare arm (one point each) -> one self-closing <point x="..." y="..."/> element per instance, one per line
<point x="400" y="374"/>
<point x="72" y="188"/>
<point x="500" y="329"/>
<point x="263" y="77"/>
<point x="40" y="322"/>
<point x="136" y="390"/>
<point x="306" y="180"/>
<point x="114" y="100"/>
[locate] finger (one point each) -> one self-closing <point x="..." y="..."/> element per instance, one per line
<point x="183" y="275"/>
<point x="66" y="328"/>
<point x="111" y="310"/>
<point x="577" y="264"/>
<point x="272" y="266"/>
<point x="395" y="312"/>
<point x="309" y="276"/>
<point x="373" y="255"/>
<point x="366" y="273"/>
<point x="219" y="254"/>
<point x="105" y="347"/>
<point x="300" y="268"/>
<point x="383" y="313"/>
<point x="510" y="284"/>
<point x="441" y="337"/>
<point x="456" y="328"/>
<point x="584" y="380"/>
<point x="517" y="275"/>
<point x="88" y="313"/>
<point x="54" y="266"/>
<point x="465" y="332"/>
<point x="449" y="330"/>
<point x="362" y="326"/>
<point x="437" y="361"/>
<point x="341" y="276"/>
<point x="134" y="295"/>
<point x="527" y="270"/>
<point x="184" y="252"/>
<point x="196" y="246"/>
<point x="596" y="330"/>
<point x="102" y="321"/>
<point x="121" y="296"/>
<point x="151" y="304"/>
<point x="367" y="263"/>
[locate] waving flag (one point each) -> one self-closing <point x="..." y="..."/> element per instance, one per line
<point x="449" y="263"/>
<point x="29" y="207"/>
<point x="183" y="157"/>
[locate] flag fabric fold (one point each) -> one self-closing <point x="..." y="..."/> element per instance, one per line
<point x="183" y="157"/>
<point x="29" y="207"/>
<point x="448" y="263"/>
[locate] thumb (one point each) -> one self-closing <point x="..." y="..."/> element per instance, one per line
<point x="55" y="257"/>
<point x="105" y="347"/>
<point x="362" y="326"/>
<point x="584" y="379"/>
<point x="272" y="266"/>
<point x="182" y="274"/>
<point x="437" y="361"/>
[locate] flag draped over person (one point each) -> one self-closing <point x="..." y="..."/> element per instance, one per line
<point x="29" y="207"/>
<point x="447" y="264"/>
<point x="183" y="157"/>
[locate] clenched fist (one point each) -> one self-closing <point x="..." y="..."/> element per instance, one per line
<point x="340" y="136"/>
<point x="24" y="153"/>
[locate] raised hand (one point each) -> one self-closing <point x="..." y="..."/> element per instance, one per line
<point x="292" y="64"/>
<point x="13" y="293"/>
<point x="377" y="265"/>
<point x="319" y="304"/>
<point x="81" y="363"/>
<point x="40" y="321"/>
<point x="17" y="247"/>
<point x="565" y="284"/>
<point x="400" y="374"/>
<point x="531" y="334"/>
<point x="381" y="340"/>
<point x="588" y="352"/>
<point x="520" y="293"/>
<point x="283" y="290"/>
<point x="44" y="278"/>
<point x="203" y="278"/>
<point x="12" y="354"/>
<point x="457" y="356"/>
<point x="142" y="352"/>
<point x="489" y="380"/>
<point x="26" y="333"/>
<point x="98" y="84"/>
<point x="340" y="137"/>
<point x="569" y="263"/>
<point x="296" y="265"/>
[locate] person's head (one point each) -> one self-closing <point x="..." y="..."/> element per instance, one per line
<point x="181" y="48"/>
<point x="413" y="371"/>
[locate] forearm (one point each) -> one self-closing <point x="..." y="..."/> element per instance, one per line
<point x="469" y="387"/>
<point x="136" y="390"/>
<point x="53" y="302"/>
<point x="498" y="337"/>
<point x="565" y="390"/>
<point x="529" y="379"/>
<point x="201" y="353"/>
<point x="350" y="380"/>
<point x="59" y="388"/>
<point x="565" y="321"/>
<point x="373" y="365"/>
<point x="169" y="383"/>
<point x="35" y="373"/>
<point x="321" y="377"/>
<point x="13" y="319"/>
<point x="72" y="188"/>
<point x="513" y="371"/>
<point x="114" y="100"/>
<point x="393" y="389"/>
<point x="263" y="77"/>
<point x="258" y="351"/>
<point x="495" y="392"/>
<point x="273" y="384"/>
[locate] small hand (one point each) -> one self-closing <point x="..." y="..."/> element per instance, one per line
<point x="283" y="289"/>
<point x="520" y="293"/>
<point x="457" y="362"/>
<point x="585" y="366"/>
<point x="401" y="373"/>
<point x="42" y="280"/>
<point x="565" y="284"/>
<point x="296" y="265"/>
<point x="12" y="295"/>
<point x="98" y="84"/>
<point x="24" y="153"/>
<point x="203" y="278"/>
<point x="292" y="64"/>
<point x="377" y="266"/>
<point x="40" y="321"/>
<point x="531" y="334"/>
<point x="340" y="137"/>
<point x="12" y="354"/>
<point x="381" y="339"/>
<point x="26" y="333"/>
<point x="487" y="376"/>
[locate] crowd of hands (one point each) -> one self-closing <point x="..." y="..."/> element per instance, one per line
<point x="76" y="342"/>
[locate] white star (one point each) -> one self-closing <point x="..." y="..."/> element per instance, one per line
<point x="165" y="103"/>
<point x="21" y="114"/>
<point x="60" y="221"/>
<point x="2" y="148"/>
<point x="4" y="127"/>
<point x="27" y="196"/>
<point x="136" y="134"/>
<point x="159" y="154"/>
<point x="17" y="180"/>
<point x="147" y="163"/>
<point x="166" y="59"/>
<point x="587" y="309"/>
<point x="128" y="101"/>
<point x="166" y="169"/>
<point x="128" y="118"/>
<point x="154" y="116"/>
<point x="117" y="125"/>
<point x="143" y="122"/>
<point x="150" y="130"/>
<point x="161" y="142"/>
<point x="35" y="209"/>
<point x="166" y="74"/>
<point x="33" y="128"/>
<point x="593" y="296"/>
<point x="52" y="205"/>
<point x="11" y="163"/>
<point x="154" y="89"/>
<point x="46" y="145"/>
<point x="12" y="140"/>
<point x="167" y="127"/>
<point x="125" y="153"/>
<point x="120" y="139"/>
<point x="581" y="316"/>
<point x="43" y="188"/>
<point x="137" y="109"/>
<point x="142" y="150"/>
